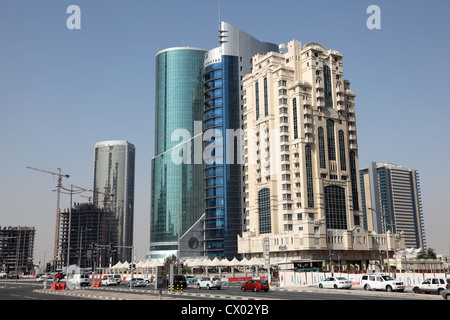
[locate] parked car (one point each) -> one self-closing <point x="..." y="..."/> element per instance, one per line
<point x="44" y="277"/>
<point x="209" y="283"/>
<point x="138" y="282"/>
<point x="118" y="278"/>
<point x="381" y="282"/>
<point x="109" y="281"/>
<point x="59" y="275"/>
<point x="80" y="279"/>
<point x="191" y="279"/>
<point x="255" y="285"/>
<point x="446" y="294"/>
<point x="180" y="281"/>
<point x="432" y="285"/>
<point x="336" y="283"/>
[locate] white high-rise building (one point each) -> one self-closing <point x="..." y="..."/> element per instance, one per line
<point x="301" y="173"/>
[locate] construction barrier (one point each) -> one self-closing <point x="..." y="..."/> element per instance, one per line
<point x="96" y="284"/>
<point x="58" y="286"/>
<point x="175" y="288"/>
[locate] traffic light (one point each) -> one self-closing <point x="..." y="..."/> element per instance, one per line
<point x="181" y="267"/>
<point x="48" y="267"/>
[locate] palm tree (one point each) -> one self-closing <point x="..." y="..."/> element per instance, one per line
<point x="429" y="254"/>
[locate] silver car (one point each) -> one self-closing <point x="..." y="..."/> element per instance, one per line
<point x="336" y="283"/>
<point x="138" y="282"/>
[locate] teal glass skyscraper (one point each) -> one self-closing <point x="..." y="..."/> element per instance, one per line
<point x="177" y="188"/>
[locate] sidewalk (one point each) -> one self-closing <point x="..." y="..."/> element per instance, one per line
<point x="358" y="289"/>
<point x="109" y="295"/>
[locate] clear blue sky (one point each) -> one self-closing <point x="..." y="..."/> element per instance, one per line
<point x="62" y="90"/>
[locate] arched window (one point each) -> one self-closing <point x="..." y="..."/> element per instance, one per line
<point x="335" y="208"/>
<point x="294" y="112"/>
<point x="322" y="161"/>
<point x="354" y="181"/>
<point x="342" y="150"/>
<point x="266" y="102"/>
<point x="309" y="177"/>
<point x="327" y="88"/>
<point x="330" y="138"/>
<point x="257" y="100"/>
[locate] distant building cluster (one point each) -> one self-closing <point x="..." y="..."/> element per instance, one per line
<point x="256" y="155"/>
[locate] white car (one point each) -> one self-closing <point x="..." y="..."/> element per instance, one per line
<point x="138" y="282"/>
<point x="109" y="281"/>
<point x="209" y="283"/>
<point x="381" y="282"/>
<point x="336" y="283"/>
<point x="432" y="285"/>
<point x="44" y="277"/>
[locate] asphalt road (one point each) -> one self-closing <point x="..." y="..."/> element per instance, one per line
<point x="33" y="290"/>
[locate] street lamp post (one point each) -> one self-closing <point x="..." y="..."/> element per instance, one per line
<point x="180" y="217"/>
<point x="385" y="232"/>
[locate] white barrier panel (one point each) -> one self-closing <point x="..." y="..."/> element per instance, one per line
<point x="304" y="279"/>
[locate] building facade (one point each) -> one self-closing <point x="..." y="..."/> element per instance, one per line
<point x="391" y="200"/>
<point x="302" y="194"/>
<point x="177" y="169"/>
<point x="225" y="67"/>
<point x="88" y="225"/>
<point x="17" y="249"/>
<point x="114" y="167"/>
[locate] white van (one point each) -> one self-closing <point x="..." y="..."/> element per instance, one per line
<point x="80" y="279"/>
<point x="381" y="282"/>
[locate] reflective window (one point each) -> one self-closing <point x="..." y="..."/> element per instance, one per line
<point x="335" y="208"/>
<point x="265" y="223"/>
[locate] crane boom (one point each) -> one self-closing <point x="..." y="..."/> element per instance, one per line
<point x="60" y="176"/>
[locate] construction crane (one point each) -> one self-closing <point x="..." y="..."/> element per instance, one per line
<point x="60" y="176"/>
<point x="87" y="197"/>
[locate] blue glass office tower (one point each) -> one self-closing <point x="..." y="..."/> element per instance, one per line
<point x="176" y="187"/>
<point x="225" y="66"/>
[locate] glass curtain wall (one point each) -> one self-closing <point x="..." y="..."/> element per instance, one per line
<point x="114" y="191"/>
<point x="176" y="187"/>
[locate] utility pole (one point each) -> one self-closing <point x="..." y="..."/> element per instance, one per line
<point x="385" y="230"/>
<point x="179" y="215"/>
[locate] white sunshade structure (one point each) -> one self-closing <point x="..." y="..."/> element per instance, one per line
<point x="197" y="262"/>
